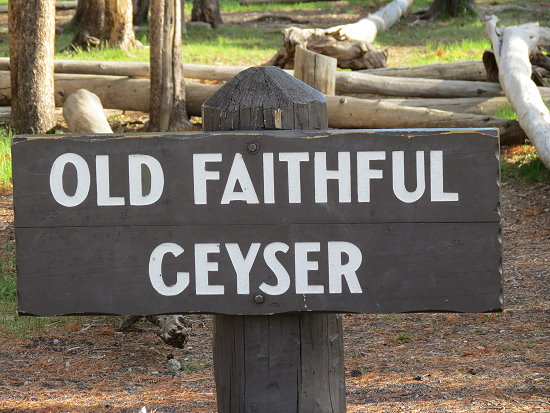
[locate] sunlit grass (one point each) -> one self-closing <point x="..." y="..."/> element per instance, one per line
<point x="5" y="160"/>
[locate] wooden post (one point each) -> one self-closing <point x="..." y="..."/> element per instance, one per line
<point x="284" y="362"/>
<point x="317" y="70"/>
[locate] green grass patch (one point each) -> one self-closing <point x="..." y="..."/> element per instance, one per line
<point x="5" y="160"/>
<point x="522" y="162"/>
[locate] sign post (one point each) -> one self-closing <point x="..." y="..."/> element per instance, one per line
<point x="291" y="362"/>
<point x="266" y="220"/>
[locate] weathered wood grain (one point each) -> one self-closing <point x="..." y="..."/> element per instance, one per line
<point x="470" y="169"/>
<point x="405" y="267"/>
<point x="269" y="98"/>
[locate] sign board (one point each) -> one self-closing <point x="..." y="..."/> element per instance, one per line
<point x="258" y="222"/>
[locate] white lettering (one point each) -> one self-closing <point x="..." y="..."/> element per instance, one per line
<point x="342" y="175"/>
<point x="294" y="182"/>
<point x="302" y="266"/>
<point x="398" y="171"/>
<point x="155" y="270"/>
<point x="201" y="175"/>
<point x="135" y="179"/>
<point x="436" y="179"/>
<point x="103" y="185"/>
<point x="239" y="174"/>
<point x="82" y="179"/>
<point x="269" y="179"/>
<point x="203" y="267"/>
<point x="283" y="278"/>
<point x="242" y="265"/>
<point x="365" y="173"/>
<point x="337" y="270"/>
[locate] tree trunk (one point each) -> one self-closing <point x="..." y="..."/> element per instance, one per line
<point x="90" y="24"/>
<point x="207" y="11"/>
<point x="167" y="112"/>
<point x="141" y="11"/>
<point x="31" y="44"/>
<point x="118" y="29"/>
<point x="451" y="8"/>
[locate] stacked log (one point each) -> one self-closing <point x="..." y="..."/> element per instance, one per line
<point x="416" y="102"/>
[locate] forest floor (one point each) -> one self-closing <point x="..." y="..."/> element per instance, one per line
<point x="394" y="363"/>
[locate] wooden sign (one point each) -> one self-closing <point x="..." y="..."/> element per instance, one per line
<point x="258" y="222"/>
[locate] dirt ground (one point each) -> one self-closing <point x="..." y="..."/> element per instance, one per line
<point x="402" y="362"/>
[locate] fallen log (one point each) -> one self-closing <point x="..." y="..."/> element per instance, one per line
<point x="349" y="43"/>
<point x="354" y="113"/>
<point x="115" y="92"/>
<point x="343" y="112"/>
<point x="84" y="113"/>
<point x="59" y="5"/>
<point x="468" y="70"/>
<point x="357" y="83"/>
<point x="480" y="106"/>
<point x="346" y="82"/>
<point x="512" y="57"/>
<point x="135" y="69"/>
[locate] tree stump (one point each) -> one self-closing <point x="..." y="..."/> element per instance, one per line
<point x="316" y="70"/>
<point x="283" y="362"/>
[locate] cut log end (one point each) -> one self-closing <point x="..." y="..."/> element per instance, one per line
<point x="84" y="113"/>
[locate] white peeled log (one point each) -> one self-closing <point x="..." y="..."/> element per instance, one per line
<point x="84" y="113"/>
<point x="366" y="29"/>
<point x="512" y="56"/>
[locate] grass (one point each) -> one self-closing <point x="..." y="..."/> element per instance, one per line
<point x="5" y="160"/>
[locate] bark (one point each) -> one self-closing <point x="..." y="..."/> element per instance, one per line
<point x="90" y="26"/>
<point x="31" y="45"/>
<point x="141" y="11"/>
<point x="344" y="112"/>
<point x="84" y="113"/>
<point x="480" y="106"/>
<point x="167" y="111"/>
<point x="451" y="8"/>
<point x="173" y="329"/>
<point x="357" y="83"/>
<point x="118" y="30"/>
<point x="469" y="70"/>
<point x="207" y="11"/>
<point x="512" y="57"/>
<point x="349" y="44"/>
<point x="352" y="113"/>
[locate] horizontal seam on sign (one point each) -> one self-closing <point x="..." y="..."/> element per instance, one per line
<point x="257" y="224"/>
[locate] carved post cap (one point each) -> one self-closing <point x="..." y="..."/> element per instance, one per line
<point x="265" y="98"/>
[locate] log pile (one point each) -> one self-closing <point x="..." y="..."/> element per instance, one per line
<point x="350" y="44"/>
<point x="361" y="99"/>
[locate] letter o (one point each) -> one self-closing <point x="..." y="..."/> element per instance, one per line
<point x="82" y="180"/>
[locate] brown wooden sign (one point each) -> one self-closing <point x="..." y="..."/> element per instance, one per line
<point x="258" y="222"/>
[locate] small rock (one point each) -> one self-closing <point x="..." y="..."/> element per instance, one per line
<point x="173" y="365"/>
<point x="56" y="341"/>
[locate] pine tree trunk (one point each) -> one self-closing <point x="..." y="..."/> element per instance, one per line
<point x="207" y="11"/>
<point x="31" y="43"/>
<point x="167" y="112"/>
<point x="118" y="29"/>
<point x="90" y="23"/>
<point x="141" y="11"/>
<point x="451" y="8"/>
